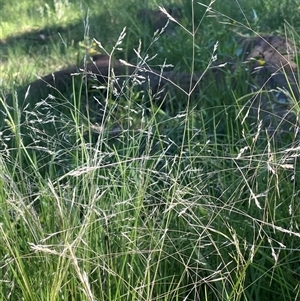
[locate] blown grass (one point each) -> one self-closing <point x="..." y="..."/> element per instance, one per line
<point x="184" y="202"/>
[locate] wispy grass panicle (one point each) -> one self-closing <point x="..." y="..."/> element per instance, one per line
<point x="156" y="182"/>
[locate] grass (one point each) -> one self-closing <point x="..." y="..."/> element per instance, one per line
<point x="187" y="203"/>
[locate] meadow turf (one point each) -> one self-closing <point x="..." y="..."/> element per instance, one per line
<point x="177" y="199"/>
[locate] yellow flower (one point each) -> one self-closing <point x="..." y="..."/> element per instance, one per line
<point x="93" y="51"/>
<point x="261" y="62"/>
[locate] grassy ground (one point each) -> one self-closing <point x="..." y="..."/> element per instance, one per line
<point x="188" y="203"/>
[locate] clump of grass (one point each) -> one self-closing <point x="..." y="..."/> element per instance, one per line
<point x="183" y="204"/>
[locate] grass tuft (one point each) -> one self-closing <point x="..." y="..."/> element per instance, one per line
<point x="115" y="195"/>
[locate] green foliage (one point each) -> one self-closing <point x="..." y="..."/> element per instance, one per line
<point x="178" y="199"/>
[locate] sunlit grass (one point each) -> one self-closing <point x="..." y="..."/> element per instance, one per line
<point x="184" y="201"/>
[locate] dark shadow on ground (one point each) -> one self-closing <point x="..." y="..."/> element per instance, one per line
<point x="103" y="27"/>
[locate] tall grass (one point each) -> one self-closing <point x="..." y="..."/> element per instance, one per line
<point x="185" y="202"/>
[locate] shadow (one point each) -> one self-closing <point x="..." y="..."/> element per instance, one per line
<point x="36" y="41"/>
